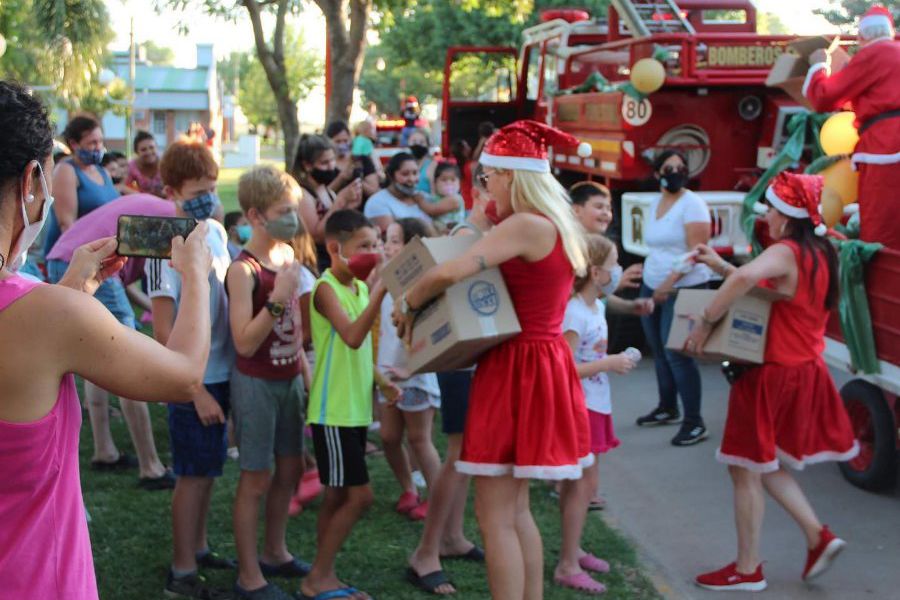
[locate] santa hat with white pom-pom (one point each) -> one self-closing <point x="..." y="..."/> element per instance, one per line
<point x="796" y="196"/>
<point x="522" y="146"/>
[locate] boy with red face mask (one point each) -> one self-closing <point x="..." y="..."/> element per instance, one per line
<point x="340" y="404"/>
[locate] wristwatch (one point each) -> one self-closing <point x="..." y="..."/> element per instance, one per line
<point x="276" y="309"/>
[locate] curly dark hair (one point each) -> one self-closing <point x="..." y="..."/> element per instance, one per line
<point x="27" y="132"/>
<point x="78" y="127"/>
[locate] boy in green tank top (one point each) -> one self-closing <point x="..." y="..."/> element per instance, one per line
<point x="342" y="312"/>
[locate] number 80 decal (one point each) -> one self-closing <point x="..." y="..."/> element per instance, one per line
<point x="636" y="113"/>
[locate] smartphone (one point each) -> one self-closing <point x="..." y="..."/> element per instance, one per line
<point x="150" y="237"/>
<point x="357" y="173"/>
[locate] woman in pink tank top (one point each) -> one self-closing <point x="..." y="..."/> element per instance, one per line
<point x="51" y="333"/>
<point x="527" y="417"/>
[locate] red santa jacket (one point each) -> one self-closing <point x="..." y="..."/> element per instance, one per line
<point x="870" y="84"/>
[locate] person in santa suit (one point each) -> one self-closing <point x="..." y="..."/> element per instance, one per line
<point x="527" y="417"/>
<point x="787" y="411"/>
<point x="868" y="82"/>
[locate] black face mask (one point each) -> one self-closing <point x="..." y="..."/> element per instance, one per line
<point x="418" y="151"/>
<point x="324" y="176"/>
<point x="673" y="182"/>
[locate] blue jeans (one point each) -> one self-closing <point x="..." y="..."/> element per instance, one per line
<point x="111" y="293"/>
<point x="676" y="373"/>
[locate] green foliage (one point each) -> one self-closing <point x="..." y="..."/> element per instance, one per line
<point x="233" y="68"/>
<point x="414" y="42"/>
<point x="56" y="43"/>
<point x="158" y="55"/>
<point x="769" y="24"/>
<point x="304" y="71"/>
<point x="845" y="12"/>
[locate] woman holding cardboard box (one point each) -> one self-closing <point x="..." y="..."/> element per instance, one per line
<point x="786" y="411"/>
<point x="526" y="383"/>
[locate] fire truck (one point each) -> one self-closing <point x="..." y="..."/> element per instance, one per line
<point x="715" y="106"/>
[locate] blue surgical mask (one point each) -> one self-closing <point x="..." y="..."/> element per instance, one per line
<point x="615" y="276"/>
<point x="244" y="232"/>
<point x="201" y="207"/>
<point x="90" y="157"/>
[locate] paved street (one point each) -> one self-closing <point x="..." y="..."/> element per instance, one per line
<point x="675" y="503"/>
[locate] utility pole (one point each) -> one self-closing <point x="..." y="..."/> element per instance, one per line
<point x="129" y="110"/>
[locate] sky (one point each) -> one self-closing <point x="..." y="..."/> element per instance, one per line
<point x="163" y="29"/>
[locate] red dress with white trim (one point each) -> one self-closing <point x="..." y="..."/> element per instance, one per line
<point x="788" y="409"/>
<point x="527" y="415"/>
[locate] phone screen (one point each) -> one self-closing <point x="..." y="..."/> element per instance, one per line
<point x="150" y="237"/>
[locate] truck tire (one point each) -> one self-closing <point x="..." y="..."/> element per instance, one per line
<point x="875" y="468"/>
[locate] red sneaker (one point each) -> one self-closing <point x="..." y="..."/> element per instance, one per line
<point x="407" y="502"/>
<point x="728" y="579"/>
<point x="420" y="512"/>
<point x="820" y="558"/>
<point x="309" y="489"/>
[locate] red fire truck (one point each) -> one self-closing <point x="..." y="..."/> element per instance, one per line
<point x="714" y="105"/>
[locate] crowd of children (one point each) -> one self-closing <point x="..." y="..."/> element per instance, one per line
<point x="291" y="355"/>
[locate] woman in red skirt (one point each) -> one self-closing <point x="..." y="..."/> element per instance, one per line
<point x="527" y="417"/>
<point x="787" y="411"/>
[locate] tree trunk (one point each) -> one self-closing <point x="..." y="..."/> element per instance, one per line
<point x="272" y="60"/>
<point x="347" y="48"/>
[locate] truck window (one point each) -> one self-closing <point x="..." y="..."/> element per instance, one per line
<point x="724" y="17"/>
<point x="533" y="78"/>
<point x="483" y="77"/>
<point x="551" y="74"/>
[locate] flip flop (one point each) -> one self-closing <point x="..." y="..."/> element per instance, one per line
<point x="475" y="554"/>
<point x="589" y="562"/>
<point x="581" y="582"/>
<point x="125" y="461"/>
<point x="597" y="504"/>
<point x="429" y="582"/>
<point x="346" y="592"/>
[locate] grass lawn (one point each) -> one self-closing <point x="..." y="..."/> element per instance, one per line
<point x="131" y="536"/>
<point x="227" y="188"/>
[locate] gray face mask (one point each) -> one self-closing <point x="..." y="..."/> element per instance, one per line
<point x="284" y="228"/>
<point x="615" y="276"/>
<point x="406" y="190"/>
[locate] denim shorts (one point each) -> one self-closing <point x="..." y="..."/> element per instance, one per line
<point x="111" y="293"/>
<point x="199" y="450"/>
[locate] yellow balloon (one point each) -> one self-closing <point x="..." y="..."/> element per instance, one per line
<point x="841" y="178"/>
<point x="838" y="135"/>
<point x="648" y="75"/>
<point x="832" y="209"/>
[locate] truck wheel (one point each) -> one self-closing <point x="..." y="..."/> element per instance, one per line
<point x="875" y="467"/>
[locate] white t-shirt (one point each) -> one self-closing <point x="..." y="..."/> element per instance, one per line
<point x="589" y="322"/>
<point x="391" y="353"/>
<point x="307" y="283"/>
<point x="385" y="204"/>
<point x="165" y="282"/>
<point x="667" y="240"/>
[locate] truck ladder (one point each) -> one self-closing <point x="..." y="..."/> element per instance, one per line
<point x="647" y="17"/>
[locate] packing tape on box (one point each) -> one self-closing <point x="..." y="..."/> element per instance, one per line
<point x="488" y="325"/>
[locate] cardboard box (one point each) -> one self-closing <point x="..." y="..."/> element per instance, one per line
<point x="467" y="319"/>
<point x="789" y="70"/>
<point x="740" y="335"/>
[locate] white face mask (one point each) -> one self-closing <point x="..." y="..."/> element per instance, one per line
<point x="19" y="251"/>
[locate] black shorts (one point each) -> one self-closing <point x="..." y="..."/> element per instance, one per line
<point x="454" y="399"/>
<point x="340" y="455"/>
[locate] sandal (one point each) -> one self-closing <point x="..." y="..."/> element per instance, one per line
<point x="429" y="582"/>
<point x="597" y="504"/>
<point x="581" y="582"/>
<point x="475" y="554"/>
<point x="125" y="461"/>
<point x="589" y="562"/>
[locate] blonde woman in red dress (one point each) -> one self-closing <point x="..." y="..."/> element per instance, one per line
<point x="527" y="417"/>
<point x="787" y="411"/>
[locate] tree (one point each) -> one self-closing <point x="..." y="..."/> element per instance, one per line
<point x="55" y="43"/>
<point x="769" y="24"/>
<point x="158" y="55"/>
<point x="844" y="13"/>
<point x="232" y="69"/>
<point x="303" y="70"/>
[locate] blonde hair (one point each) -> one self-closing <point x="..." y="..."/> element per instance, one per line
<point x="541" y="192"/>
<point x="362" y="128"/>
<point x="264" y="185"/>
<point x="598" y="250"/>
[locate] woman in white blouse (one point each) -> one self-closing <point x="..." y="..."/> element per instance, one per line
<point x="678" y="220"/>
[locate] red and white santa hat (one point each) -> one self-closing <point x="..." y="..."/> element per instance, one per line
<point x="796" y="196"/>
<point x="876" y="19"/>
<point x="522" y="146"/>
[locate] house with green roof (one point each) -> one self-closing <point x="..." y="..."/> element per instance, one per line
<point x="167" y="100"/>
